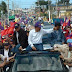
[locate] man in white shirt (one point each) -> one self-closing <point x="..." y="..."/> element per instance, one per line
<point x="35" y="38"/>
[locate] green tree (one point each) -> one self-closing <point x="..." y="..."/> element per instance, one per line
<point x="4" y="7"/>
<point x="42" y="3"/>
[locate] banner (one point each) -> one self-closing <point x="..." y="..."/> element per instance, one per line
<point x="58" y="20"/>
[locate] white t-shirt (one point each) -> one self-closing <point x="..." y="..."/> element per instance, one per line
<point x="17" y="37"/>
<point x="6" y="53"/>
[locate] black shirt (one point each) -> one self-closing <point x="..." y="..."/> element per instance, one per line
<point x="23" y="38"/>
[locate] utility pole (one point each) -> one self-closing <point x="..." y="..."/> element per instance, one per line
<point x="39" y="6"/>
<point x="56" y="7"/>
<point x="13" y="7"/>
<point x="49" y="9"/>
<point x="8" y="11"/>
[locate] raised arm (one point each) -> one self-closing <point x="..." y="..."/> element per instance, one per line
<point x="47" y="31"/>
<point x="4" y="63"/>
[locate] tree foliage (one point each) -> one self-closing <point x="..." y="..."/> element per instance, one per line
<point x="42" y="3"/>
<point x="4" y="7"/>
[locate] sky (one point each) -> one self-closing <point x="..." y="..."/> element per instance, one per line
<point x="23" y="3"/>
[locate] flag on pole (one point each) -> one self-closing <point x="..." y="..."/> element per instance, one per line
<point x="65" y="19"/>
<point x="68" y="23"/>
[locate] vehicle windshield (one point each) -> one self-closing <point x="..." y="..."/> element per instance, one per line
<point x="39" y="62"/>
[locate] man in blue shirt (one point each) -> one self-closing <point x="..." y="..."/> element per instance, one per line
<point x="57" y="36"/>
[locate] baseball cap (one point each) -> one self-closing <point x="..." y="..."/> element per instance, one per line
<point x="17" y="25"/>
<point x="11" y="40"/>
<point x="6" y="44"/>
<point x="57" y="24"/>
<point x="38" y="24"/>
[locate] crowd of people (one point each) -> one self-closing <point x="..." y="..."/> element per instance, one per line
<point x="31" y="40"/>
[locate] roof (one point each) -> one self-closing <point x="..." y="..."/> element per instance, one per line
<point x="62" y="5"/>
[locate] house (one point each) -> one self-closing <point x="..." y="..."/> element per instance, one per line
<point x="64" y="10"/>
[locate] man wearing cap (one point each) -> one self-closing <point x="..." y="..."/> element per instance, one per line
<point x="57" y="36"/>
<point x="35" y="38"/>
<point x="6" y="52"/>
<point x="20" y="36"/>
<point x="12" y="45"/>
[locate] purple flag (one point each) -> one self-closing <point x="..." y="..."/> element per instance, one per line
<point x="19" y="22"/>
<point x="61" y="21"/>
<point x="21" y="19"/>
<point x="6" y="22"/>
<point x="68" y="23"/>
<point x="1" y="27"/>
<point x="65" y="19"/>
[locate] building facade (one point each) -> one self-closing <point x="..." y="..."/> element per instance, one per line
<point x="64" y="10"/>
